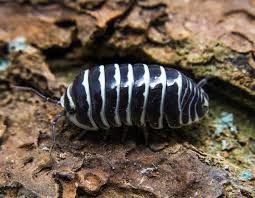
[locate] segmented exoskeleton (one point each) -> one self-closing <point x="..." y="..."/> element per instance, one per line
<point x="140" y="95"/>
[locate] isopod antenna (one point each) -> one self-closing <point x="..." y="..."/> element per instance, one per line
<point x="204" y="81"/>
<point x="47" y="99"/>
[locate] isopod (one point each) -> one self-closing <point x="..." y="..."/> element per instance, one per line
<point x="139" y="95"/>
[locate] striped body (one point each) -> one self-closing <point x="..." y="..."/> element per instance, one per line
<point x="133" y="95"/>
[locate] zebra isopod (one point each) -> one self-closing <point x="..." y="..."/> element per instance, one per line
<point x="139" y="95"/>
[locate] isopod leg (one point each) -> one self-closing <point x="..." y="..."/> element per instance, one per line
<point x="81" y="135"/>
<point x="146" y="135"/>
<point x="53" y="128"/>
<point x="124" y="135"/>
<point x="106" y="135"/>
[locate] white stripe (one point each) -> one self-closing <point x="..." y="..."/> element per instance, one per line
<point x="117" y="79"/>
<point x="188" y="99"/>
<point x="185" y="92"/>
<point x="201" y="94"/>
<point x="196" y="93"/>
<point x="73" y="119"/>
<point x="62" y="101"/>
<point x="146" y="93"/>
<point x="163" y="82"/>
<point x="130" y="88"/>
<point x="179" y="85"/>
<point x="189" y="94"/>
<point x="206" y="102"/>
<point x="102" y="88"/>
<point x="191" y="86"/>
<point x="72" y="105"/>
<point x="85" y="84"/>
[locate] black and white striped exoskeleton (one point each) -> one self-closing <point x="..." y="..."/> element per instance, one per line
<point x="139" y="95"/>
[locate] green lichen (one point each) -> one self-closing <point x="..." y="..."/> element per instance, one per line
<point x="199" y="57"/>
<point x="18" y="44"/>
<point x="233" y="146"/>
<point x="225" y="121"/>
<point x="221" y="53"/>
<point x="4" y="64"/>
<point x="246" y="175"/>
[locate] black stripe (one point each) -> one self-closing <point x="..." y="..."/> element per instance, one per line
<point x="154" y="96"/>
<point x="67" y="103"/>
<point x="80" y="100"/>
<point x="95" y="94"/>
<point x="110" y="94"/>
<point x="171" y="109"/>
<point x="123" y="99"/>
<point x="137" y="100"/>
<point x="199" y="104"/>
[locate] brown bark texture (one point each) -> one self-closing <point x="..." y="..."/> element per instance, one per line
<point x="44" y="44"/>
